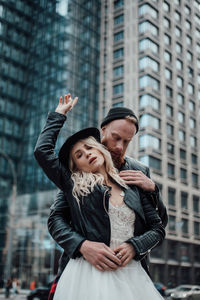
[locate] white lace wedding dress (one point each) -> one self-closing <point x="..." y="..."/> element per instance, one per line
<point x="81" y="281"/>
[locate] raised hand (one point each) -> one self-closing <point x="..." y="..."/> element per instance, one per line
<point x="68" y="104"/>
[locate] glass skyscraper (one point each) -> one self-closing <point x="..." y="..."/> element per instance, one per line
<point x="47" y="48"/>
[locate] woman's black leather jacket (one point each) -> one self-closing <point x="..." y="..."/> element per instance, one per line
<point x="90" y="219"/>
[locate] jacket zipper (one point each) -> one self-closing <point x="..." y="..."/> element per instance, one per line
<point x="150" y="248"/>
<point x="104" y="205"/>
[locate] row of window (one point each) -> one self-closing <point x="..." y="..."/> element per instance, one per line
<point x="183" y="226"/>
<point x="148" y="81"/>
<point x="184" y="200"/>
<point x="156" y="164"/>
<point x="150" y="45"/>
<point x="146" y="8"/>
<point x="151" y="63"/>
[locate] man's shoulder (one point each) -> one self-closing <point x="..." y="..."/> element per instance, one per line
<point x="134" y="164"/>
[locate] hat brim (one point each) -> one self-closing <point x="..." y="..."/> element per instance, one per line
<point x="73" y="139"/>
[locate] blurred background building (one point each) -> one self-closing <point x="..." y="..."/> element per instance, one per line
<point x="140" y="54"/>
<point x="47" y="48"/>
<point x="150" y="61"/>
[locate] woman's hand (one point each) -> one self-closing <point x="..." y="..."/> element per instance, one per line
<point x="68" y="104"/>
<point x="125" y="252"/>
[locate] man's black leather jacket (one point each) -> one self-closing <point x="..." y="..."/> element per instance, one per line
<point x="89" y="219"/>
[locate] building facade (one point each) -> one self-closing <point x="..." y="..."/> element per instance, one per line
<point x="47" y="49"/>
<point x="150" y="62"/>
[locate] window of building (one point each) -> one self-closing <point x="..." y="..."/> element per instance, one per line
<point x="147" y="43"/>
<point x="148" y="62"/>
<point x="147" y="26"/>
<point x="189" y="56"/>
<point x="168" y="74"/>
<point x="184" y="200"/>
<point x="167" y="56"/>
<point x="166" y="23"/>
<point x="181" y="117"/>
<point x="118" y="36"/>
<point x="188" y="25"/>
<point x="118" y="89"/>
<point x="180" y="99"/>
<point x="118" y="3"/>
<point x="171" y="196"/>
<point x="148" y="9"/>
<point x="194" y="179"/>
<point x="197" y="33"/>
<point x="184" y="226"/>
<point x="172" y="223"/>
<point x="197" y="19"/>
<point x="190" y="72"/>
<point x="119" y="20"/>
<point x="170" y="169"/>
<point x="183" y="173"/>
<point x="178" y="32"/>
<point x="168" y="92"/>
<point x="181" y="135"/>
<point x="193" y="141"/>
<point x="195" y="203"/>
<point x="187" y="10"/>
<point x="196" y="228"/>
<point x="189" y="40"/>
<point x="167" y="39"/>
<point x="151" y="161"/>
<point x="169" y="110"/>
<point x="194" y="159"/>
<point x="180" y="82"/>
<point x="190" y="89"/>
<point x="149" y="81"/>
<point x="118" y="71"/>
<point x="179" y="48"/>
<point x="166" y="6"/>
<point x="179" y="64"/>
<point x="149" y="120"/>
<point x="148" y="140"/>
<point x="198" y="48"/>
<point x="177" y="16"/>
<point x="170" y="129"/>
<point x="182" y="154"/>
<point x="170" y="148"/>
<point x="192" y="123"/>
<point x="149" y="100"/>
<point x="119" y="53"/>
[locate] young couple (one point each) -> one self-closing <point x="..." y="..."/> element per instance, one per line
<point x="109" y="214"/>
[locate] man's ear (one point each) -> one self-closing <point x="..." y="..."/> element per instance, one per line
<point x="103" y="130"/>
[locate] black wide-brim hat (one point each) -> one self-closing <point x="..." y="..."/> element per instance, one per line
<point x="73" y="139"/>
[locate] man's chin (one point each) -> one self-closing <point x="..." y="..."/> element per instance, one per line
<point x="117" y="160"/>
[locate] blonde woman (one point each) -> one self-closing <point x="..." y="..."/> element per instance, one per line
<point x="104" y="211"/>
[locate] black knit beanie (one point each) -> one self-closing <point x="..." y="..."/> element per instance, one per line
<point x="119" y="113"/>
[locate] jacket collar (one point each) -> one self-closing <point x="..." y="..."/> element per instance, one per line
<point x="132" y="199"/>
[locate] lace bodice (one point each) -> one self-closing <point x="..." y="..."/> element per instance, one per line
<point x="122" y="221"/>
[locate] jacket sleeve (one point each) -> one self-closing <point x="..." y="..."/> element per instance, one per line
<point x="155" y="233"/>
<point x="44" y="151"/>
<point x="59" y="225"/>
<point x="155" y="197"/>
<point x="157" y="202"/>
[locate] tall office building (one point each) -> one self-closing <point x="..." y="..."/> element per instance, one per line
<point x="47" y="48"/>
<point x="150" y="62"/>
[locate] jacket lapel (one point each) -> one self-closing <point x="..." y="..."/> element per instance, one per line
<point x="132" y="199"/>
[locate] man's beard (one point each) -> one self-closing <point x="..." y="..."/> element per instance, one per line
<point x="118" y="160"/>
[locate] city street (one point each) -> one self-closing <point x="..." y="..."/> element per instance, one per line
<point x="18" y="297"/>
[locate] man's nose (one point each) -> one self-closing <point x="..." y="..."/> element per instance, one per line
<point x="119" y="146"/>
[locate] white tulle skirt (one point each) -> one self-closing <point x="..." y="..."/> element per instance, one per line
<point x="81" y="281"/>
